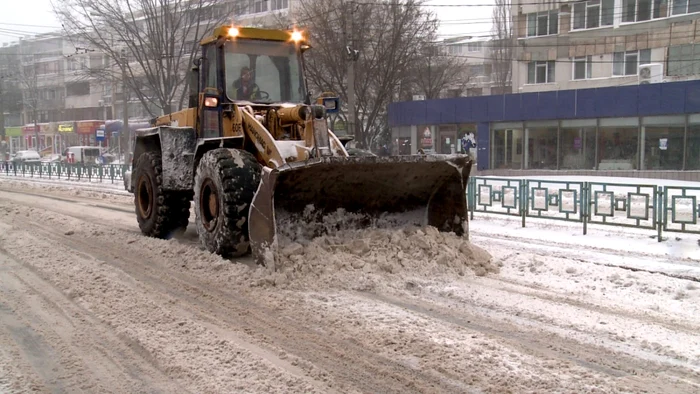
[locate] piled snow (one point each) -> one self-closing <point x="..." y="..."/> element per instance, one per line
<point x="105" y="192"/>
<point x="352" y="250"/>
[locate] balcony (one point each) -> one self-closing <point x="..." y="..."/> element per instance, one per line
<point x="55" y="103"/>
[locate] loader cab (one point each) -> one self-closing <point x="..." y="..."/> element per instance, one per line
<point x="249" y="66"/>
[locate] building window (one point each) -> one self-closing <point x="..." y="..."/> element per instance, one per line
<point x="476" y="70"/>
<point x="593" y="13"/>
<point x="644" y="10"/>
<point x="279" y="4"/>
<point x="583" y="67"/>
<point x="474" y="92"/>
<point x="685" y="6"/>
<point x="474" y="46"/>
<point x="257" y="6"/>
<point x="78" y="89"/>
<point x="683" y="60"/>
<point x="627" y="63"/>
<point x="540" y="72"/>
<point x="542" y="23"/>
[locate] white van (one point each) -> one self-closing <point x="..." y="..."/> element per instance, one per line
<point x="87" y="155"/>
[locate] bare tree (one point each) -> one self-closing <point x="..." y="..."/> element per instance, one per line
<point x="502" y="45"/>
<point x="150" y="43"/>
<point x="388" y="36"/>
<point x="28" y="81"/>
<point x="436" y="71"/>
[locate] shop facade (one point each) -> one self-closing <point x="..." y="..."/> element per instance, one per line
<point x="646" y="128"/>
<point x="87" y="130"/>
<point x="13" y="139"/>
<point x="56" y="137"/>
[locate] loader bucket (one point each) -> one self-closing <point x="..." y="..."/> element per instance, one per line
<point x="433" y="186"/>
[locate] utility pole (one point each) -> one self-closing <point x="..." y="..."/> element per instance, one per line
<point x="3" y="146"/>
<point x="352" y="56"/>
<point x="351" y="98"/>
<point x="125" y="125"/>
<point x="2" y="107"/>
<point x="35" y="99"/>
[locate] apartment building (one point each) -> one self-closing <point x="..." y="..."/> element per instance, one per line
<point x="600" y="43"/>
<point x="477" y="78"/>
<point x="601" y="87"/>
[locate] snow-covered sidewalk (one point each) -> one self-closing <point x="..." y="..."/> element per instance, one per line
<point x="105" y="186"/>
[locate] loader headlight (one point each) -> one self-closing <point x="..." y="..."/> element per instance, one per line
<point x="297" y="36"/>
<point x="233" y="32"/>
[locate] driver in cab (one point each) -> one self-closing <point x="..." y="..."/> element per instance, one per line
<point x="246" y="89"/>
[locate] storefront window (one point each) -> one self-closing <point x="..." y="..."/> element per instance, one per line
<point x="426" y="137"/>
<point x="403" y="140"/>
<point x="448" y="139"/>
<point x="507" y="146"/>
<point x="541" y="146"/>
<point x="618" y="140"/>
<point x="577" y="145"/>
<point x="692" y="153"/>
<point x="663" y="142"/>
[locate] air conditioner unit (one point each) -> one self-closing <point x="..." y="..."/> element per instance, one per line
<point x="651" y="73"/>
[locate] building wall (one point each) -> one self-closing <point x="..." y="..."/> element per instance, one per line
<point x="477" y="76"/>
<point x="653" y="127"/>
<point x="656" y="34"/>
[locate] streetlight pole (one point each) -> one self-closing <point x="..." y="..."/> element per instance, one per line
<point x="125" y="125"/>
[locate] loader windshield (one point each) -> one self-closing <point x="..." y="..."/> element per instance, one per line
<point x="263" y="71"/>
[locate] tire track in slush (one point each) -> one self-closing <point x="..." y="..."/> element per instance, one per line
<point x="569" y="351"/>
<point x="349" y="362"/>
<point x="549" y="345"/>
<point x="201" y="293"/>
<point x="79" y="335"/>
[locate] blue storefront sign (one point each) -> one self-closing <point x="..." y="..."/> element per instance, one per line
<point x="100" y="134"/>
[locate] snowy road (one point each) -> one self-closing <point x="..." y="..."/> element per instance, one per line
<point x="89" y="305"/>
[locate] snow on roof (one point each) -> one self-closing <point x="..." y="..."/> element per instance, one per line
<point x="465" y="40"/>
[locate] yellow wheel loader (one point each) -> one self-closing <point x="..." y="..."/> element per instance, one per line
<point x="252" y="144"/>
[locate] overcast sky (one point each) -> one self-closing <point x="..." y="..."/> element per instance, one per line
<point x="21" y="18"/>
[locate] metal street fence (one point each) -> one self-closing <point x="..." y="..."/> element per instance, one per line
<point x="91" y="173"/>
<point x="644" y="206"/>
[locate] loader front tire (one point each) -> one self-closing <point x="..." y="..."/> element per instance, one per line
<point x="160" y="213"/>
<point x="225" y="184"/>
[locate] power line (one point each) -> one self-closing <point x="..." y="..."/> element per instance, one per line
<point x="25" y="25"/>
<point x="561" y="61"/>
<point x="425" y="5"/>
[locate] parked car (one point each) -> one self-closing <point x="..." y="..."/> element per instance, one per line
<point x="52" y="158"/>
<point x="27" y="157"/>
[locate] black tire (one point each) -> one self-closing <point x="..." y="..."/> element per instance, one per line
<point x="160" y="213"/>
<point x="224" y="187"/>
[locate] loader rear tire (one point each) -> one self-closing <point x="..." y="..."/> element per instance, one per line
<point x="160" y="213"/>
<point x="225" y="184"/>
